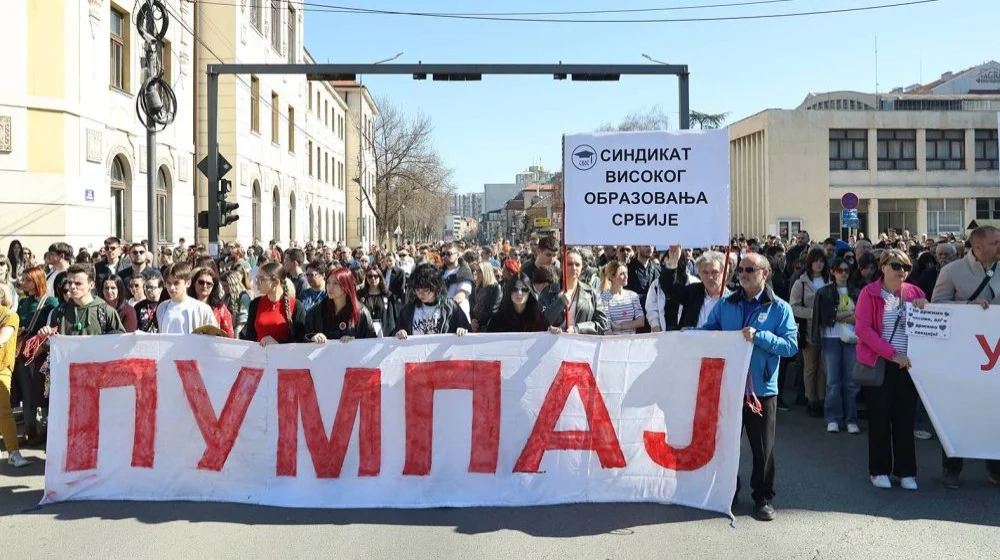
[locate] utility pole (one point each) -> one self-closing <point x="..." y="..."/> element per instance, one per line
<point x="155" y="103"/>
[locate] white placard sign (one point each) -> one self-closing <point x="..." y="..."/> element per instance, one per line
<point x="479" y="420"/>
<point x="647" y="188"/>
<point x="959" y="380"/>
<point x="932" y="322"/>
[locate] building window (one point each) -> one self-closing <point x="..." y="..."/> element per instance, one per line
<point x="291" y="129"/>
<point x="255" y="210"/>
<point x="945" y="215"/>
<point x="897" y="214"/>
<point x="988" y="208"/>
<point x="310" y="97"/>
<point x="163" y="52"/>
<point x="897" y="150"/>
<point x="291" y="35"/>
<point x="309" y="148"/>
<point x="291" y="216"/>
<point x="276" y="25"/>
<point x="986" y="149"/>
<point x="163" y="210"/>
<point x="945" y="149"/>
<point x="255" y="104"/>
<point x="848" y="149"/>
<point x="326" y="166"/>
<point x="121" y="187"/>
<point x="119" y="49"/>
<point x="256" y="13"/>
<point x="275" y="139"/>
<point x="276" y="214"/>
<point x="326" y="113"/>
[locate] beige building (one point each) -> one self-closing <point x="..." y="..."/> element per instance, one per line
<point x="285" y="135"/>
<point x="361" y="172"/>
<point x="922" y="158"/>
<point x="72" y="150"/>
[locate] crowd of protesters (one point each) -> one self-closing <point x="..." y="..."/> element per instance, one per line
<point x="811" y="310"/>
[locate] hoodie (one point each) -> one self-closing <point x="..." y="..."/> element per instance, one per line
<point x="96" y="317"/>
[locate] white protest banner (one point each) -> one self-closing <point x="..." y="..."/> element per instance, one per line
<point x="501" y="420"/>
<point x="959" y="380"/>
<point x="932" y="322"/>
<point x="647" y="188"/>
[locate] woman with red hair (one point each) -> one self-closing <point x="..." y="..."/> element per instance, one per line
<point x="33" y="311"/>
<point x="339" y="316"/>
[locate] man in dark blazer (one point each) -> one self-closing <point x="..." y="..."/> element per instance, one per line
<point x="394" y="277"/>
<point x="696" y="299"/>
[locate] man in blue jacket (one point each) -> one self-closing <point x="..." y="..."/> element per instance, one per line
<point x="768" y="323"/>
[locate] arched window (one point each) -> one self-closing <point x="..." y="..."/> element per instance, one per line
<point x="329" y="232"/>
<point x="164" y="206"/>
<point x="276" y="214"/>
<point x="256" y="210"/>
<point x="291" y="216"/>
<point x="121" y="198"/>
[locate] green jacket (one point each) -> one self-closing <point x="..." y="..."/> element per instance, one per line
<point x="97" y="317"/>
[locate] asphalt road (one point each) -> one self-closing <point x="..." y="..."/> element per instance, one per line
<point x="826" y="509"/>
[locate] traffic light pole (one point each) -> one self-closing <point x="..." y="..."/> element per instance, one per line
<point x="213" y="163"/>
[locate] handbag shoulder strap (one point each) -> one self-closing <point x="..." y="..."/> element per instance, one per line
<point x="984" y="283"/>
<point x="34" y="318"/>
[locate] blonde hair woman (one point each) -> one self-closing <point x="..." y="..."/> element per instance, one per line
<point x="623" y="307"/>
<point x="488" y="296"/>
<point x="9" y="324"/>
<point x="274" y="317"/>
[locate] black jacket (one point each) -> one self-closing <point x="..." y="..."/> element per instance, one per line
<point x="488" y="300"/>
<point x="503" y="323"/>
<point x="454" y="317"/>
<point x="639" y="282"/>
<point x="825" y="305"/>
<point x="389" y="310"/>
<point x="316" y="323"/>
<point x="397" y="283"/>
<point x="690" y="296"/>
<point x="298" y="322"/>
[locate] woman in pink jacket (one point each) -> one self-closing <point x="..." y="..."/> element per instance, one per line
<point x="881" y="328"/>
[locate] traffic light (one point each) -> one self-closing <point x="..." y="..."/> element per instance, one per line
<point x="227" y="210"/>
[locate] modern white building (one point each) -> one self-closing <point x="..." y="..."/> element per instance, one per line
<point x="72" y="150"/>
<point x="284" y="135"/>
<point x="922" y="159"/>
<point x="361" y="172"/>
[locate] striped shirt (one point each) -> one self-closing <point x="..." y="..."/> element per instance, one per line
<point x="893" y="312"/>
<point x="623" y="307"/>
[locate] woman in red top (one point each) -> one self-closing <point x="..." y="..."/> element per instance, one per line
<point x="274" y="317"/>
<point x="207" y="288"/>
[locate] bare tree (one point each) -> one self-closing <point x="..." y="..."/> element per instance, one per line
<point x="708" y="120"/>
<point x="652" y="118"/>
<point x="410" y="178"/>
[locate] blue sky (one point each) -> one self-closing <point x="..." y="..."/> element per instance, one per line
<point x="490" y="130"/>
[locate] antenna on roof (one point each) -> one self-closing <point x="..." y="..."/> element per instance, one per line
<point x="876" y="64"/>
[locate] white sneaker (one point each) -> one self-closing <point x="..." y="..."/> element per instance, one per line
<point x="833" y="428"/>
<point x="881" y="481"/>
<point x="908" y="483"/>
<point x="922" y="434"/>
<point x="853" y="429"/>
<point x="15" y="459"/>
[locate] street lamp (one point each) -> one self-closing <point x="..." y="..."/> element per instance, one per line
<point x="399" y="54"/>
<point x="651" y="59"/>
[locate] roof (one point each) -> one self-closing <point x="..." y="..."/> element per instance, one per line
<point x="946" y="77"/>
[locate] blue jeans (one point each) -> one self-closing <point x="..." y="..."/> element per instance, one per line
<point x="841" y="391"/>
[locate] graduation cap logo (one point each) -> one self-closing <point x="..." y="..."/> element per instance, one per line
<point x="584" y="157"/>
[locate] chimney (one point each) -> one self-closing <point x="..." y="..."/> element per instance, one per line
<point x="947" y="75"/>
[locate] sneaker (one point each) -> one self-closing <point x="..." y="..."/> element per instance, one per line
<point x="950" y="480"/>
<point x="15" y="459"/>
<point x="832" y="428"/>
<point x="908" y="483"/>
<point x="881" y="481"/>
<point x="922" y="434"/>
<point x="781" y="404"/>
<point x="853" y="429"/>
<point x="763" y="511"/>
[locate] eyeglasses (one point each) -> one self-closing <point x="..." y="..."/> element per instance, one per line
<point x="519" y="290"/>
<point x="152" y="287"/>
<point x="111" y="247"/>
<point x="748" y="269"/>
<point x="897" y="266"/>
<point x="207" y="283"/>
<point x="373" y="276"/>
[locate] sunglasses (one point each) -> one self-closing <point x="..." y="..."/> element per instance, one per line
<point x="373" y="276"/>
<point x="207" y="283"/>
<point x="748" y="269"/>
<point x="519" y="290"/>
<point x="152" y="287"/>
<point x="897" y="266"/>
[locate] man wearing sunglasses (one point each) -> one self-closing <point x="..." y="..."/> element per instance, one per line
<point x="139" y="266"/>
<point x="767" y="322"/>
